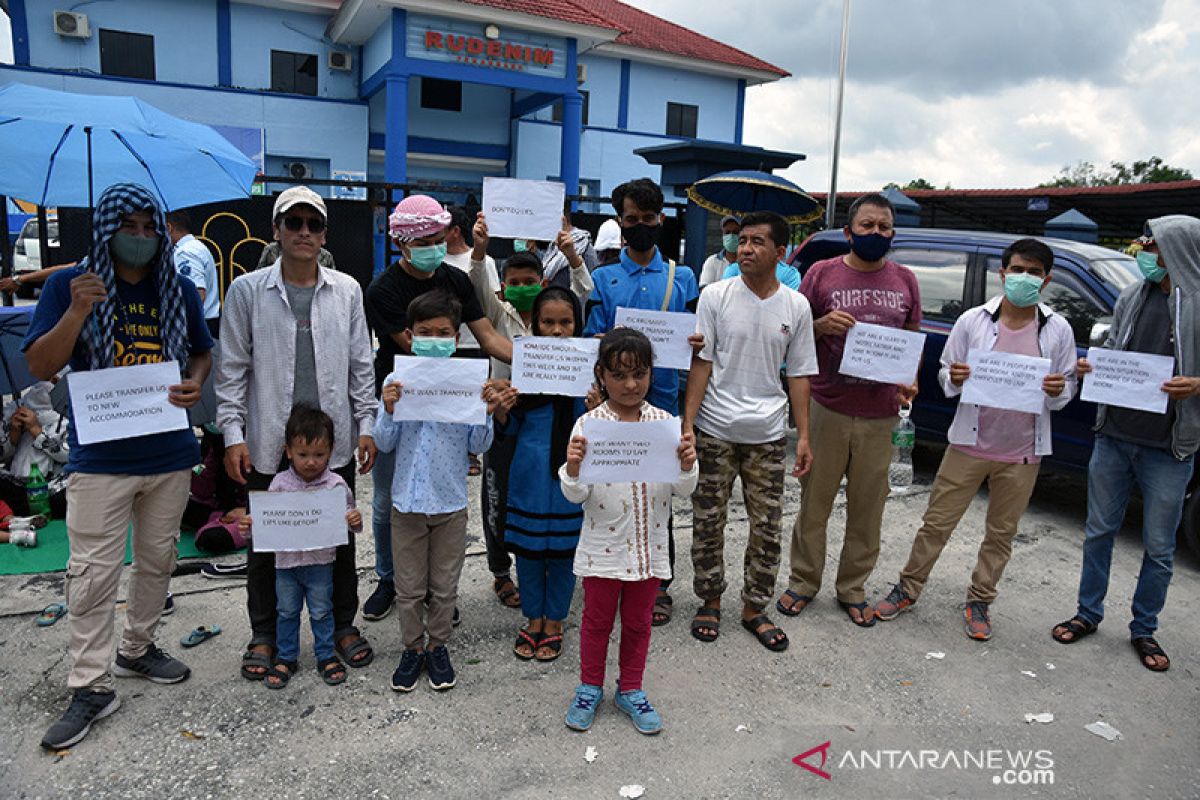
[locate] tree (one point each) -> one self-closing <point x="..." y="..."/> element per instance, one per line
<point x="1152" y="170"/>
<point x="915" y="183"/>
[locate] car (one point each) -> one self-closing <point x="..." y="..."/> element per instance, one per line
<point x="27" y="250"/>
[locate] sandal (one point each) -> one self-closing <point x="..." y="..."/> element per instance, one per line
<point x="707" y="617"/>
<point x="530" y="638"/>
<point x="281" y="677"/>
<point x="51" y="614"/>
<point x="1147" y="648"/>
<point x="332" y="671"/>
<point x="252" y="659"/>
<point x="359" y="646"/>
<point x="663" y="606"/>
<point x="507" y="592"/>
<point x="201" y="634"/>
<point x="552" y="642"/>
<point x="773" y="638"/>
<point x="793" y="609"/>
<point x="862" y="621"/>
<point x="1078" y="627"/>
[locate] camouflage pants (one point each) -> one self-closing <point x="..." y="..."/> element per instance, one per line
<point x="761" y="468"/>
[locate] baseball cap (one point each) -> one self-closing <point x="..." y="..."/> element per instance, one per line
<point x="298" y="195"/>
<point x="730" y="218"/>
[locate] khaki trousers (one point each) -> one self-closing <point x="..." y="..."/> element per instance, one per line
<point x="428" y="551"/>
<point x="958" y="479"/>
<point x="99" y="510"/>
<point x="861" y="450"/>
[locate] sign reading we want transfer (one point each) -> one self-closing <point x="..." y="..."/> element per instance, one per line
<point x="124" y="402"/>
<point x="440" y="389"/>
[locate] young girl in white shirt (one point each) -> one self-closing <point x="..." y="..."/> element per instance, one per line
<point x="623" y="552"/>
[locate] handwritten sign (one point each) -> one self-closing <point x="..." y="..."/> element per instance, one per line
<point x="521" y="209"/>
<point x="1129" y="380"/>
<point x="289" y="522"/>
<point x="623" y="452"/>
<point x="123" y="402"/>
<point x="882" y="354"/>
<point x="440" y="389"/>
<point x="667" y="331"/>
<point x="1006" y="380"/>
<point x="549" y="365"/>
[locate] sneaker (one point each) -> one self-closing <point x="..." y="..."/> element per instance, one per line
<point x="219" y="571"/>
<point x="895" y="604"/>
<point x="635" y="704"/>
<point x="27" y="523"/>
<point x="169" y="605"/>
<point x="154" y="665"/>
<point x="404" y="679"/>
<point x="22" y="537"/>
<point x="977" y="622"/>
<point x="441" y="673"/>
<point x="379" y="604"/>
<point x="86" y="707"/>
<point x="583" y="707"/>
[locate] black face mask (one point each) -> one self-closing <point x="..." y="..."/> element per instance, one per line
<point x="642" y="237"/>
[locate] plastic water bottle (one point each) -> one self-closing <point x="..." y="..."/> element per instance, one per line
<point x="904" y="436"/>
<point x="38" y="492"/>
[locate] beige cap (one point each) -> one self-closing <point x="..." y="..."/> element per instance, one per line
<point x="298" y="195"/>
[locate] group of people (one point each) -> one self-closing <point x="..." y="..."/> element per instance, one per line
<point x="304" y="403"/>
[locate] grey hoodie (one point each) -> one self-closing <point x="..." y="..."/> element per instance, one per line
<point x="1178" y="240"/>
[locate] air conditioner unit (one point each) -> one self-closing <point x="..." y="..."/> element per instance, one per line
<point x="581" y="73"/>
<point x="298" y="169"/>
<point x="71" y="25"/>
<point x="341" y="61"/>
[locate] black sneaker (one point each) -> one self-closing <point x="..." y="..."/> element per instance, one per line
<point x="221" y="571"/>
<point x="379" y="604"/>
<point x="169" y="605"/>
<point x="86" y="707"/>
<point x="441" y="673"/>
<point x="404" y="679"/>
<point x="154" y="665"/>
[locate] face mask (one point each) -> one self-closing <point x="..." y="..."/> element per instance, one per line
<point x="1022" y="290"/>
<point x="136" y="251"/>
<point x="519" y="246"/>
<point x="1148" y="264"/>
<point x="870" y="246"/>
<point x="642" y="237"/>
<point x="433" y="346"/>
<point x="522" y="297"/>
<point x="429" y="258"/>
<point x="730" y="242"/>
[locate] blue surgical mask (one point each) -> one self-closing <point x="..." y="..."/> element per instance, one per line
<point x="136" y="251"/>
<point x="1148" y="264"/>
<point x="870" y="246"/>
<point x="1022" y="290"/>
<point x="434" y="346"/>
<point x="427" y="258"/>
<point x="730" y="242"/>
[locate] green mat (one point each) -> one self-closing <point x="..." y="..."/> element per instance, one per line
<point x="51" y="553"/>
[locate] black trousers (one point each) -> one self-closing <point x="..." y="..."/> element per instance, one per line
<point x="494" y="493"/>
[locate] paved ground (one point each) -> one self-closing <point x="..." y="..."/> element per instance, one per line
<point x="735" y="714"/>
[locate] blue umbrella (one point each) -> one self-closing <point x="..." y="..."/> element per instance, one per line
<point x="741" y="191"/>
<point x="14" y="372"/>
<point x="59" y="148"/>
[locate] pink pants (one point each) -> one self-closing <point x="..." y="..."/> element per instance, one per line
<point x="601" y="597"/>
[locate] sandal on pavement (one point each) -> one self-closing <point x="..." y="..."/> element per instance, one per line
<point x="200" y="634"/>
<point x="529" y="638"/>
<point x="707" y="617"/>
<point x="773" y="638"/>
<point x="663" y="607"/>
<point x="332" y="671"/>
<point x="507" y="592"/>
<point x="862" y="621"/>
<point x="51" y="614"/>
<point x="1148" y="648"/>
<point x="357" y="647"/>
<point x="1078" y="627"/>
<point x="280" y="676"/>
<point x="553" y="643"/>
<point x="799" y="603"/>
<point x="252" y="659"/>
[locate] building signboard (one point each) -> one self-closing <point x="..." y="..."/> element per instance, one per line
<point x="462" y="42"/>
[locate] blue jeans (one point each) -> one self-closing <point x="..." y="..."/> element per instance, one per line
<point x="1116" y="467"/>
<point x="294" y="587"/>
<point x="546" y="587"/>
<point x="381" y="514"/>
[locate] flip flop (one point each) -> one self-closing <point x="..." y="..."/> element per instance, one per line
<point x="201" y="634"/>
<point x="553" y="642"/>
<point x="792" y="611"/>
<point x="862" y="612"/>
<point x="51" y="614"/>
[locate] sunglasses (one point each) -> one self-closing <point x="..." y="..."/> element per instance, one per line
<point x="315" y="224"/>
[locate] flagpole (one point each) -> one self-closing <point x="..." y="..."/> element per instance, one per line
<point x="831" y="205"/>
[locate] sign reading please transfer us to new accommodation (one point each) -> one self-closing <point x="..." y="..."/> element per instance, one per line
<point x="882" y="354"/>
<point x="625" y="452"/>
<point x="668" y="332"/>
<point x="521" y="209"/>
<point x="124" y="402"/>
<point x="1127" y="379"/>
<point x="550" y="365"/>
<point x="285" y="522"/>
<point x="440" y="389"/>
<point x="1006" y="380"/>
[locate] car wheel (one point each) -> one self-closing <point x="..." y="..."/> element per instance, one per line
<point x="1189" y="526"/>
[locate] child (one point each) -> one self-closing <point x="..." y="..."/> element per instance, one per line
<point x="615" y="533"/>
<point x="306" y="576"/>
<point x="540" y="525"/>
<point x="429" y="501"/>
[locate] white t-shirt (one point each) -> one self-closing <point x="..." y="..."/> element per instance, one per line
<point x="714" y="268"/>
<point x="466" y="339"/>
<point x="746" y="338"/>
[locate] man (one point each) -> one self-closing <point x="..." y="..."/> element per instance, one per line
<point x="608" y="243"/>
<point x="643" y="279"/>
<point x="123" y="305"/>
<point x="715" y="265"/>
<point x="738" y="411"/>
<point x="851" y="419"/>
<point x="1003" y="447"/>
<point x="458" y="255"/>
<point x="418" y="225"/>
<point x="556" y="263"/>
<point x="194" y="262"/>
<point x="1155" y="452"/>
<point x="278" y="324"/>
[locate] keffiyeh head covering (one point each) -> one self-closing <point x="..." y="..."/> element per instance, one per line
<point x="416" y="217"/>
<point x="118" y="201"/>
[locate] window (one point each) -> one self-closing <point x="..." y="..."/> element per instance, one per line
<point x="941" y="276"/>
<point x="681" y="120"/>
<point x="1066" y="295"/>
<point x="557" y="110"/>
<point x="441" y="95"/>
<point x="127" y="55"/>
<point x="294" y="73"/>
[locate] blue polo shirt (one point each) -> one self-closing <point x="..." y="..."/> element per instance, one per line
<point x="785" y="273"/>
<point x="630" y="285"/>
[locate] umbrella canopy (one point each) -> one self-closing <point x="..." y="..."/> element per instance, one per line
<point x="14" y="372"/>
<point x="48" y="158"/>
<point x="742" y="191"/>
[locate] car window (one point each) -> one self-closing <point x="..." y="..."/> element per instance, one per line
<point x="941" y="275"/>
<point x="1066" y="295"/>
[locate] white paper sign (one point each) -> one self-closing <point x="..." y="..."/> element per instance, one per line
<point x="521" y="209"/>
<point x="441" y="389"/>
<point x="882" y="354"/>
<point x="667" y="331"/>
<point x="623" y="452"/>
<point x="1006" y="380"/>
<point x="289" y="522"/>
<point x="123" y="402"/>
<point x="1129" y="380"/>
<point x="549" y="365"/>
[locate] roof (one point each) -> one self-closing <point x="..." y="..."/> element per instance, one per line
<point x="564" y="10"/>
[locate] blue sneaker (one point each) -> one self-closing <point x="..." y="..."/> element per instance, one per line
<point x="583" y="707"/>
<point x="404" y="679"/>
<point x="635" y="704"/>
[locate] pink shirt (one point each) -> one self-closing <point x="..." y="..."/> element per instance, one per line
<point x="290" y="481"/>
<point x="887" y="297"/>
<point x="1007" y="436"/>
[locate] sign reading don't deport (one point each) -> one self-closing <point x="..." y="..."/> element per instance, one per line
<point x="459" y="42"/>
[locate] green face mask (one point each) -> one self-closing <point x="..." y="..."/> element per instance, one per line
<point x="522" y="297"/>
<point x="136" y="251"/>
<point x="519" y="246"/>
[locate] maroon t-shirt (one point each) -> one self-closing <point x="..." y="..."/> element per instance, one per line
<point x="887" y="297"/>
